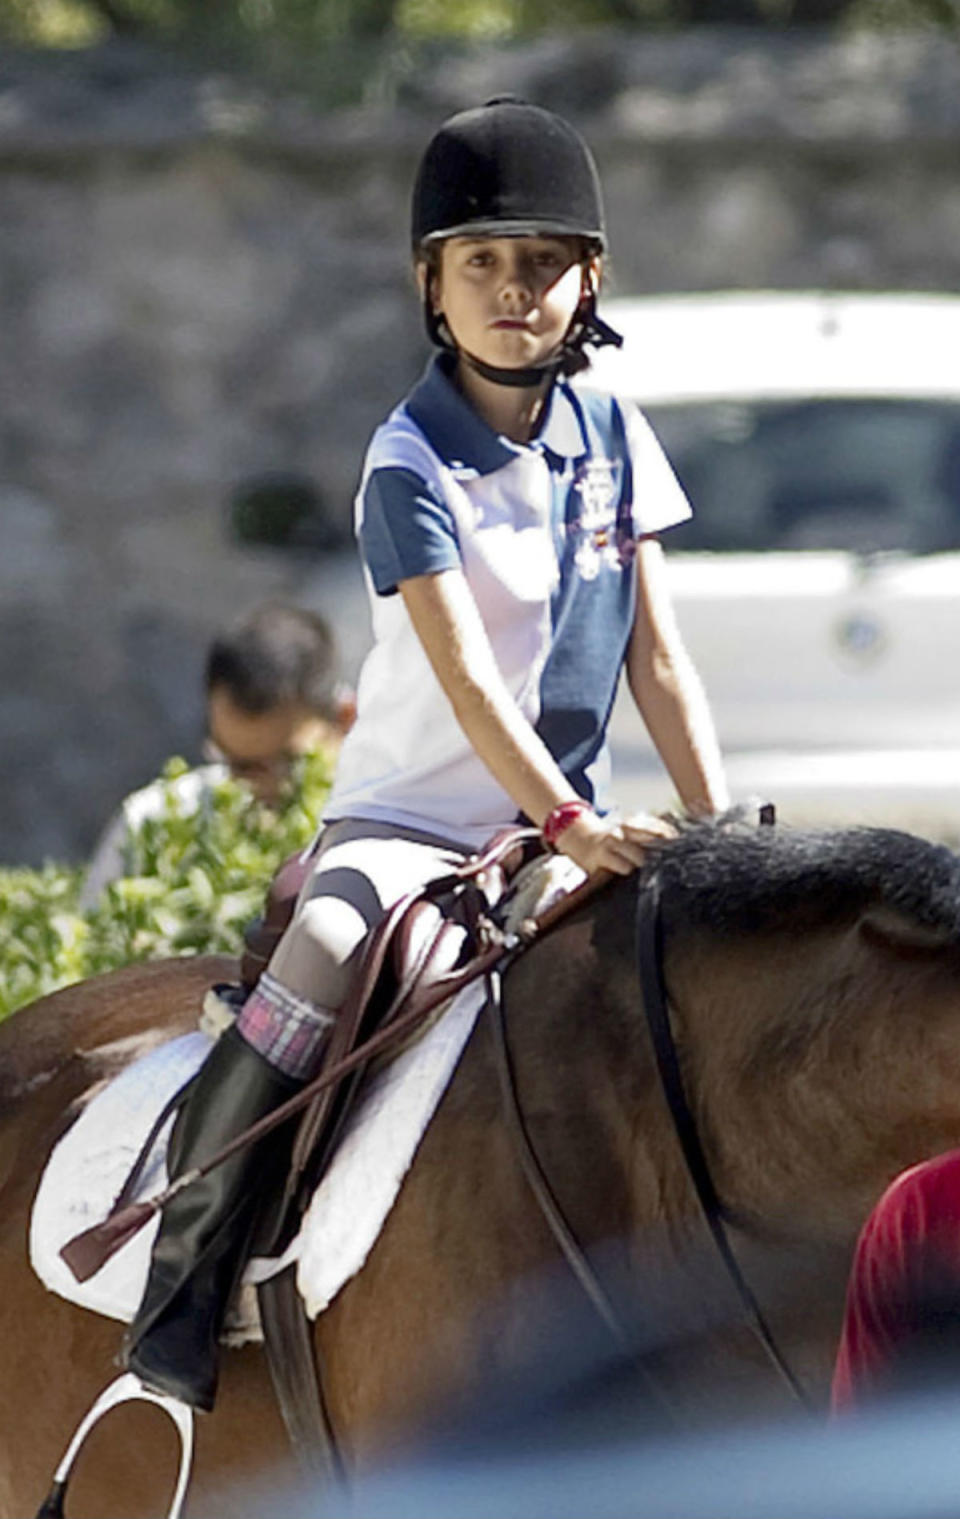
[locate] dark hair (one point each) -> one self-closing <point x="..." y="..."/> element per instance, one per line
<point x="280" y="654"/>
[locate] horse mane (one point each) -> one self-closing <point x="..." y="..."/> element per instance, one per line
<point x="727" y="877"/>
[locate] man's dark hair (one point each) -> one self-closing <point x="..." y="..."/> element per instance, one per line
<point x="279" y="655"/>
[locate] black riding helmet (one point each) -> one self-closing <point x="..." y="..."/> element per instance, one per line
<point x="511" y="169"/>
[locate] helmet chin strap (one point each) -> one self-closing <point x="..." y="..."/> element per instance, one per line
<point x="519" y="379"/>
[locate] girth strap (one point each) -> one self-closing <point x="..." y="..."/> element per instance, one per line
<point x="296" y="1376"/>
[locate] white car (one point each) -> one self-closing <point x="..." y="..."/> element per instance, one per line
<point x="818" y="588"/>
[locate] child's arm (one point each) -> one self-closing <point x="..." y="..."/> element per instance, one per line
<point x="668" y="693"/>
<point x="445" y="617"/>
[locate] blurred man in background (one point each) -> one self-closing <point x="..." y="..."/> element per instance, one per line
<point x="272" y="695"/>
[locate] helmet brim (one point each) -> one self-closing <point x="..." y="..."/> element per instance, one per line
<point x="535" y="227"/>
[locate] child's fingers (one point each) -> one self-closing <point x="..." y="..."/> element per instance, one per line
<point x="618" y="853"/>
<point x="616" y="845"/>
<point x="645" y="825"/>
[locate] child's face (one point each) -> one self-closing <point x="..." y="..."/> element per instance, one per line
<point x="508" y="300"/>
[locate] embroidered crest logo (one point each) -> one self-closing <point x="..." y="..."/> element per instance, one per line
<point x="597" y="484"/>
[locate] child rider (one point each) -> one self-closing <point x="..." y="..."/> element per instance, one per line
<point x="508" y="527"/>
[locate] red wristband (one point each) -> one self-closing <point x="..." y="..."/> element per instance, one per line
<point x="560" y="819"/>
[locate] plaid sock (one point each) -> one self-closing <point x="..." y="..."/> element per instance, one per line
<point x="286" y="1029"/>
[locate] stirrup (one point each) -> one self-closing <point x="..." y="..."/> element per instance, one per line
<point x="127" y="1388"/>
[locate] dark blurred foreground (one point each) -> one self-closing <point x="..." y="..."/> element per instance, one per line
<point x="594" y="1429"/>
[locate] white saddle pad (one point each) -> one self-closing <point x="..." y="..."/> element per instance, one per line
<point x="89" y="1166"/>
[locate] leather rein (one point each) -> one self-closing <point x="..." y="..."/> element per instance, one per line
<point x="649" y="958"/>
<point x="649" y="954"/>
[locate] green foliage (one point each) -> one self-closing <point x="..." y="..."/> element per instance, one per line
<point x="492" y="20"/>
<point x="195" y="880"/>
<point x="42" y="936"/>
<point x="52" y="23"/>
<point x="292" y="26"/>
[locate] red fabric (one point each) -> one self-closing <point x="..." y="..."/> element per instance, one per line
<point x="910" y="1240"/>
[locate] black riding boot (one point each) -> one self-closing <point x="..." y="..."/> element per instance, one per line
<point x="205" y="1230"/>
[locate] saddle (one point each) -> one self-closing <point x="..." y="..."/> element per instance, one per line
<point x="506" y="853"/>
<point x="421" y="943"/>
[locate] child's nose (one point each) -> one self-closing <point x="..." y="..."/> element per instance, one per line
<point x="518" y="276"/>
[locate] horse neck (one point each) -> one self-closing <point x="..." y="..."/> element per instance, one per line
<point x="585" y="1070"/>
<point x="822" y="1064"/>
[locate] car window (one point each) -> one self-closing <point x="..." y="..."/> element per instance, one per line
<point x="861" y="475"/>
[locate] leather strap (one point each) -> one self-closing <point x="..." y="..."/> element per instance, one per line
<point x="537" y="1178"/>
<point x="649" y="950"/>
<point x="296" y="1376"/>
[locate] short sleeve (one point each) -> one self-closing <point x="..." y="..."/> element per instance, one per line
<point x="405" y="530"/>
<point x="659" y="500"/>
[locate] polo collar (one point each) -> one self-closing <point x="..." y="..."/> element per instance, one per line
<point x="467" y="444"/>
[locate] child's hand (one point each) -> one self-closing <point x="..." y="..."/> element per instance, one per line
<point x="617" y="845"/>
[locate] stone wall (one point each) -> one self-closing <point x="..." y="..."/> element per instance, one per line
<point x="202" y="282"/>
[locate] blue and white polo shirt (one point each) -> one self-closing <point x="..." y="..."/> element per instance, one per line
<point x="545" y="534"/>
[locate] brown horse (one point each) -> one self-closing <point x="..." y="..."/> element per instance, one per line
<point x="815" y="986"/>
